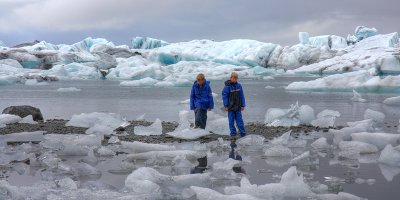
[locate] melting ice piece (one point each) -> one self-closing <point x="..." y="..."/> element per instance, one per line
<point x="147" y="181"/>
<point x="326" y="118"/>
<point x="184" y="131"/>
<point x="380" y="140"/>
<point x="154" y="129"/>
<point x="339" y="196"/>
<point x="34" y="82"/>
<point x="69" y="89"/>
<point x="389" y="172"/>
<point x="293" y="116"/>
<point x="166" y="155"/>
<point x="358" y="146"/>
<point x="281" y="140"/>
<point x="390" y="156"/>
<point x="357" y="97"/>
<point x="267" y="191"/>
<point x="320" y="143"/>
<point x="278" y="151"/>
<point x="302" y="158"/>
<point x="392" y="101"/>
<point x="9" y="119"/>
<point x="140" y="147"/>
<point x="295" y="186"/>
<point x="251" y="140"/>
<point x="28" y="120"/>
<point x="98" y="123"/>
<point x="207" y="194"/>
<point x="375" y="116"/>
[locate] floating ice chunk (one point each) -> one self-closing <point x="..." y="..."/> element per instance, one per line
<point x="339" y="196"/>
<point x="98" y="123"/>
<point x="23" y="137"/>
<point x="70" y="89"/>
<point x="320" y="143"/>
<point x="140" y="147"/>
<point x="352" y="154"/>
<point x="278" y="151"/>
<point x="267" y="191"/>
<point x="9" y="119"/>
<point x="166" y="155"/>
<point x="154" y="129"/>
<point x="363" y="32"/>
<point x="226" y="165"/>
<point x="295" y="186"/>
<point x="187" y="101"/>
<point x="392" y="101"/>
<point x="33" y="82"/>
<point x="302" y="158"/>
<point x="251" y="140"/>
<point x="357" y="97"/>
<point x="380" y="140"/>
<point x="208" y="194"/>
<point x="184" y="131"/>
<point x="281" y="140"/>
<point x="376" y="116"/>
<point x="293" y="116"/>
<point x="269" y="87"/>
<point x="60" y="141"/>
<point x="389" y="172"/>
<point x="147" y="43"/>
<point x="361" y="147"/>
<point x="217" y="124"/>
<point x="145" y="82"/>
<point x="148" y="181"/>
<point x="326" y="118"/>
<point x="84" y="169"/>
<point x="390" y="156"/>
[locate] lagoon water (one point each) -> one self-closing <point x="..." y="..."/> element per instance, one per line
<point x="164" y="103"/>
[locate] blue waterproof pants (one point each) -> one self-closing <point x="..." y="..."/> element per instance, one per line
<point x="236" y="116"/>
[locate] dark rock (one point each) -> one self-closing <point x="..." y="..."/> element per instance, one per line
<point x="24" y="111"/>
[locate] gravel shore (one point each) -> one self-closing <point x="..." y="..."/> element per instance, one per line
<point x="57" y="126"/>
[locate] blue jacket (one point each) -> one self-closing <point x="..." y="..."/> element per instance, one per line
<point x="233" y="96"/>
<point x="201" y="97"/>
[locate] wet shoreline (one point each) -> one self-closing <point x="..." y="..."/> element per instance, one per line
<point x="57" y="126"/>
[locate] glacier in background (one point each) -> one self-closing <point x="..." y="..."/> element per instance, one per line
<point x="156" y="63"/>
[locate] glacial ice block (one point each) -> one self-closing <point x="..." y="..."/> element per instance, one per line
<point x="392" y="101"/>
<point x="363" y="32"/>
<point x="380" y="140"/>
<point x="147" y="43"/>
<point x="153" y="129"/>
<point x="390" y="156"/>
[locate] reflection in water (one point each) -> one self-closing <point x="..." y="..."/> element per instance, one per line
<point x="235" y="155"/>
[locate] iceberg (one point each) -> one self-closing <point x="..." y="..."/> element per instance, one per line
<point x="147" y="43"/>
<point x="2" y="44"/>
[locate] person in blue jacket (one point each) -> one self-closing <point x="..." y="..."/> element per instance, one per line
<point x="201" y="100"/>
<point x="234" y="103"/>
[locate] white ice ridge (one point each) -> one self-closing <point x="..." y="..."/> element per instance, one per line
<point x="153" y="62"/>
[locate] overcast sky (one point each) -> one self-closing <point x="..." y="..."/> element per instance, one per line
<point x="277" y="21"/>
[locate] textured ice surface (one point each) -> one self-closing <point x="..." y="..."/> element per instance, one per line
<point x="184" y="130"/>
<point x="278" y="151"/>
<point x="98" y="123"/>
<point x="147" y="43"/>
<point x="376" y="117"/>
<point x="363" y="32"/>
<point x="154" y="129"/>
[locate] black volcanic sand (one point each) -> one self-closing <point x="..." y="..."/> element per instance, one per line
<point x="57" y="126"/>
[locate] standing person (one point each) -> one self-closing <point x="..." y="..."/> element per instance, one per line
<point x="201" y="100"/>
<point x="234" y="103"/>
